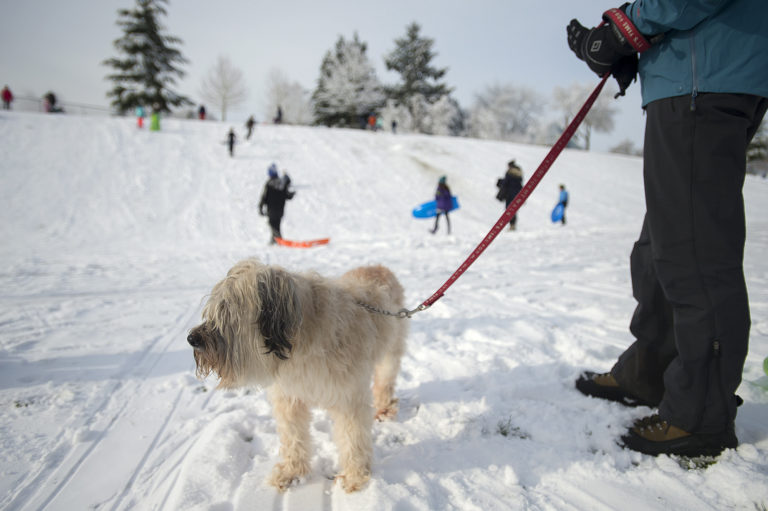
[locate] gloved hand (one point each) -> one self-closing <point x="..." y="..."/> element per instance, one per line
<point x="611" y="47"/>
<point x="625" y="72"/>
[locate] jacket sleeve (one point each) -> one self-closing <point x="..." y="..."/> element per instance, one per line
<point x="263" y="200"/>
<point x="653" y="17"/>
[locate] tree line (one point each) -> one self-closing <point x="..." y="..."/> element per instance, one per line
<point x="348" y="90"/>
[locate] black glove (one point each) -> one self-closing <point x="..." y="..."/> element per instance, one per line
<point x="625" y="72"/>
<point x="611" y="47"/>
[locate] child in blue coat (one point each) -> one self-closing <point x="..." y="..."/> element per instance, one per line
<point x="563" y="199"/>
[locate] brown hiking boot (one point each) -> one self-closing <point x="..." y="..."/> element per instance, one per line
<point x="605" y="386"/>
<point x="653" y="435"/>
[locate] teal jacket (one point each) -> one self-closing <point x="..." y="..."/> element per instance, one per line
<point x="708" y="46"/>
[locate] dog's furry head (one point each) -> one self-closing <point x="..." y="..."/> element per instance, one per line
<point x="249" y="324"/>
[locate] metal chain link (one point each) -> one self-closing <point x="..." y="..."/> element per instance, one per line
<point x="401" y="314"/>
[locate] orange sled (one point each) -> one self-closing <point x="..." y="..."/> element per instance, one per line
<point x="302" y="244"/>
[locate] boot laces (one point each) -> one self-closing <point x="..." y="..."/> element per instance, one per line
<point x="652" y="423"/>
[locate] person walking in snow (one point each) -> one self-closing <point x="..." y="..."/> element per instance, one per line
<point x="444" y="201"/>
<point x="562" y="199"/>
<point x="7" y="96"/>
<point x="140" y="116"/>
<point x="201" y="112"/>
<point x="509" y="186"/>
<point x="276" y="192"/>
<point x="703" y="70"/>
<point x="154" y="118"/>
<point x="279" y="117"/>
<point x="50" y="104"/>
<point x="231" y="139"/>
<point x="249" y="124"/>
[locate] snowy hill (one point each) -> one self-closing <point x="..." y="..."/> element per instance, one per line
<point x="113" y="237"/>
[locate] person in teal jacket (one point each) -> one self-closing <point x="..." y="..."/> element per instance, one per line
<point x="703" y="69"/>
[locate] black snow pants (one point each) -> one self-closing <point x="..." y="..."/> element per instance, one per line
<point x="692" y="318"/>
<point x="275" y="217"/>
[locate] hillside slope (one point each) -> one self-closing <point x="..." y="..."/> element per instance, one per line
<point x="113" y="237"/>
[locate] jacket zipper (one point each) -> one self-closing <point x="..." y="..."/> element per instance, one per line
<point x="694" y="79"/>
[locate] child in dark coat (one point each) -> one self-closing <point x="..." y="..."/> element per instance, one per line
<point x="231" y="139"/>
<point x="276" y="192"/>
<point x="444" y="203"/>
<point x="509" y="186"/>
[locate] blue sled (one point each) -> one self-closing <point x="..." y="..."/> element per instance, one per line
<point x="429" y="209"/>
<point x="557" y="213"/>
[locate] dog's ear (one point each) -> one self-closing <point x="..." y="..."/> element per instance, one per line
<point x="280" y="313"/>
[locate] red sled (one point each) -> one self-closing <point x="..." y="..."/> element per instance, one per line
<point x="302" y="244"/>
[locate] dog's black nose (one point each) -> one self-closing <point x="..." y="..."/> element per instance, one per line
<point x="195" y="339"/>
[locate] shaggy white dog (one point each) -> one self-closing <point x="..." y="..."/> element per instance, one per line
<point x="311" y="341"/>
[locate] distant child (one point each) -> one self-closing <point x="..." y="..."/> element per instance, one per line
<point x="7" y="98"/>
<point x="140" y="116"/>
<point x="154" y="118"/>
<point x="273" y="198"/>
<point x="444" y="202"/>
<point x="231" y="138"/>
<point x="509" y="186"/>
<point x="201" y="112"/>
<point x="249" y="124"/>
<point x="563" y="199"/>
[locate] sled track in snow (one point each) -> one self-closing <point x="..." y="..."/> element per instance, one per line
<point x="47" y="485"/>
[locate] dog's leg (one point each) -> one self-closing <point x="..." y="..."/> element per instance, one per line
<point x="352" y="426"/>
<point x="384" y="376"/>
<point x="293" y="418"/>
<point x="384" y="400"/>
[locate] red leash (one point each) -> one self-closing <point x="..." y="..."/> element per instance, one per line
<point x="518" y="201"/>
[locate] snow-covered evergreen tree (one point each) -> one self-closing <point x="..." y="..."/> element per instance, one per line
<point x="149" y="65"/>
<point x="412" y="59"/>
<point x="348" y="89"/>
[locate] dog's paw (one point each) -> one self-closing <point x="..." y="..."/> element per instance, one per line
<point x="285" y="475"/>
<point x="389" y="412"/>
<point x="353" y="481"/>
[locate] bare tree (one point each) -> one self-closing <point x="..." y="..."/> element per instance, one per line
<point x="600" y="118"/>
<point x="290" y="97"/>
<point x="224" y="86"/>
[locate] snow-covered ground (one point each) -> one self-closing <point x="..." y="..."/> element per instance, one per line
<point x="112" y="237"/>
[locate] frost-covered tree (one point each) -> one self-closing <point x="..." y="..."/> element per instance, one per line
<point x="224" y="86"/>
<point x="506" y="112"/>
<point x="347" y="89"/>
<point x="412" y="58"/>
<point x="150" y="61"/>
<point x="293" y="99"/>
<point x="400" y="114"/>
<point x="600" y="117"/>
<point x="626" y="146"/>
<point x="443" y="117"/>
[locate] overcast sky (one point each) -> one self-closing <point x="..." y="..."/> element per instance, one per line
<point x="59" y="45"/>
